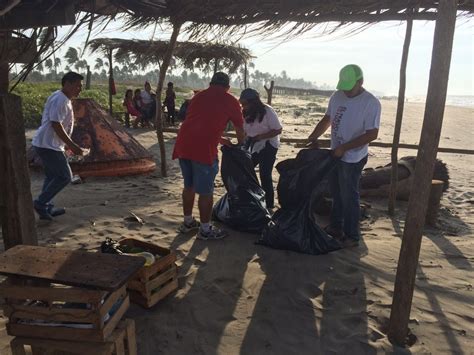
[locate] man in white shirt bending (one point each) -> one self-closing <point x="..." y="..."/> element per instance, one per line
<point x="50" y="141"/>
<point x="354" y="117"/>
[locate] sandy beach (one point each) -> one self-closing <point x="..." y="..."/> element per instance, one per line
<point x="236" y="297"/>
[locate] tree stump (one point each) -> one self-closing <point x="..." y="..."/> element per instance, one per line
<point x="269" y="92"/>
<point x="434" y="202"/>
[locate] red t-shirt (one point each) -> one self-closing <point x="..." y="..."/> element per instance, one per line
<point x="206" y="119"/>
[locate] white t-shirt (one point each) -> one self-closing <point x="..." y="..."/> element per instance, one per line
<point x="269" y="122"/>
<point x="58" y="108"/>
<point x="146" y="97"/>
<point x="351" y="117"/>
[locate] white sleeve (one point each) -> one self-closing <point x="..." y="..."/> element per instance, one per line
<point x="272" y="119"/>
<point x="330" y="104"/>
<point x="372" y="119"/>
<point x="58" y="110"/>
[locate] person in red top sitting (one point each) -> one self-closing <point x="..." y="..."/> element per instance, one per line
<point x="129" y="106"/>
<point x="196" y="148"/>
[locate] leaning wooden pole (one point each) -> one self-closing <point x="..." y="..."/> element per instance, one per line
<point x="417" y="205"/>
<point x="159" y="112"/>
<point x="111" y="79"/>
<point x="399" y="117"/>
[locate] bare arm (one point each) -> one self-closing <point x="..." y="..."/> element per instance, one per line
<point x="363" y="139"/>
<point x="240" y="134"/>
<point x="61" y="133"/>
<point x="320" y="128"/>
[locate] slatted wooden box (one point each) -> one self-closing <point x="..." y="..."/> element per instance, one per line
<point x="53" y="311"/>
<point x="121" y="342"/>
<point x="153" y="283"/>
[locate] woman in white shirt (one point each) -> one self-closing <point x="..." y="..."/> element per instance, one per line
<point x="262" y="129"/>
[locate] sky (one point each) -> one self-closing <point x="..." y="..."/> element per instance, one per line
<point x="377" y="50"/>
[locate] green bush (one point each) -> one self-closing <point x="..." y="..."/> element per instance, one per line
<point x="34" y="96"/>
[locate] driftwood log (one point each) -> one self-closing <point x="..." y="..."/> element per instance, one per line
<point x="376" y="182"/>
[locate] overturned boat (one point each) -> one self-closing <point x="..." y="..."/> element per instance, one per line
<point x="113" y="151"/>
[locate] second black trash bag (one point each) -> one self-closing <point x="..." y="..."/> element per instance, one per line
<point x="293" y="227"/>
<point x="243" y="207"/>
<point x="300" y="175"/>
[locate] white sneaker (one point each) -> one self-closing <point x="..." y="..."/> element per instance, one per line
<point x="213" y="234"/>
<point x="188" y="227"/>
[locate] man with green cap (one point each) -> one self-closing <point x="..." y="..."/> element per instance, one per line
<point x="354" y="117"/>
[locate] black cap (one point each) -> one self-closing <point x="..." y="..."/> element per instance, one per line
<point x="220" y="78"/>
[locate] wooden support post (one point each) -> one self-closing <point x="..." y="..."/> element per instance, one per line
<point x="159" y="113"/>
<point x="436" y="193"/>
<point x="417" y="205"/>
<point x="216" y="65"/>
<point x="88" y="78"/>
<point x="398" y="121"/>
<point x="245" y="75"/>
<point x="111" y="79"/>
<point x="16" y="203"/>
<point x="269" y="92"/>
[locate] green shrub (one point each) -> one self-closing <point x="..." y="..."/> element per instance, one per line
<point x="34" y="96"/>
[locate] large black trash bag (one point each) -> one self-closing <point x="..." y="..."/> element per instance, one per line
<point x="293" y="227"/>
<point x="300" y="175"/>
<point x="243" y="207"/>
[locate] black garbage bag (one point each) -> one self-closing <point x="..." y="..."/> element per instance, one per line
<point x="243" y="207"/>
<point x="293" y="227"/>
<point x="300" y="175"/>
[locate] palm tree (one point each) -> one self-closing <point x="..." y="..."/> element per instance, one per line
<point x="39" y="67"/>
<point x="99" y="63"/>
<point x="72" y="56"/>
<point x="49" y="64"/>
<point x="57" y="63"/>
<point x="81" y="64"/>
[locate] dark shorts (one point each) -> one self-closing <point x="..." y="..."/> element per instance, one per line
<point x="199" y="176"/>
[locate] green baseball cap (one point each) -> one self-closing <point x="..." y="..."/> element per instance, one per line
<point x="348" y="77"/>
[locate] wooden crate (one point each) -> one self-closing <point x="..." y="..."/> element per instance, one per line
<point x="153" y="283"/>
<point x="122" y="341"/>
<point x="27" y="303"/>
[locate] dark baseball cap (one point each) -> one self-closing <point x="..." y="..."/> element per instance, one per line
<point x="249" y="94"/>
<point x="220" y="78"/>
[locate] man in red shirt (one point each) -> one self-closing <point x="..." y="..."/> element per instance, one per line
<point x="196" y="148"/>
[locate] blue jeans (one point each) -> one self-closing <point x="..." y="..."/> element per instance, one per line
<point x="344" y="184"/>
<point x="58" y="174"/>
<point x="265" y="159"/>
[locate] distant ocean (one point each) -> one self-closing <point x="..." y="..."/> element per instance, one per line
<point x="452" y="100"/>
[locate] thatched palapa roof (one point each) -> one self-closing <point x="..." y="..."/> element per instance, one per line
<point x="271" y="15"/>
<point x="191" y="54"/>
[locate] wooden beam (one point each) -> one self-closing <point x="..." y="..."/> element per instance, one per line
<point x="159" y="112"/>
<point x="417" y="204"/>
<point x="326" y="143"/>
<point x="398" y="120"/>
<point x="17" y="50"/>
<point x="33" y="16"/>
<point x="323" y="18"/>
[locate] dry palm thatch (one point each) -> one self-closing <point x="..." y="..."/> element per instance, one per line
<point x="290" y="17"/>
<point x="191" y="54"/>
